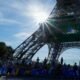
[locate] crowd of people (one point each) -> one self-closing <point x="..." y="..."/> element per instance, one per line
<point x="11" y="68"/>
<point x="37" y="68"/>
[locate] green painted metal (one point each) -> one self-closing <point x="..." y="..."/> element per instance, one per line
<point x="65" y="28"/>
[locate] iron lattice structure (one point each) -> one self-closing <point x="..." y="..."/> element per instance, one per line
<point x="60" y="31"/>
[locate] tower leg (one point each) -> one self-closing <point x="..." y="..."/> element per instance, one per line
<point x="54" y="51"/>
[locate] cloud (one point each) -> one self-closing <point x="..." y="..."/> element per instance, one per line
<point x="9" y="21"/>
<point x="17" y="13"/>
<point x="22" y="35"/>
<point x="17" y="5"/>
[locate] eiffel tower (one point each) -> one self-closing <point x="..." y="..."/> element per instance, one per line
<point x="60" y="31"/>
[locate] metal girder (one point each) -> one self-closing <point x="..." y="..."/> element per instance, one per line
<point x="54" y="50"/>
<point x="68" y="45"/>
<point x="65" y="18"/>
<point x="31" y="52"/>
<point x="54" y="33"/>
<point x="30" y="45"/>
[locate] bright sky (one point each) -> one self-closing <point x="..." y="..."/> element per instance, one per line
<point x="18" y="20"/>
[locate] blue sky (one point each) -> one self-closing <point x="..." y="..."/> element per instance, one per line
<point x="17" y="21"/>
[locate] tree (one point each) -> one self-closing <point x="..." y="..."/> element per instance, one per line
<point x="5" y="51"/>
<point x="10" y="52"/>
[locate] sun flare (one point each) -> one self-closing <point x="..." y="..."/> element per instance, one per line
<point x="40" y="17"/>
<point x="39" y="14"/>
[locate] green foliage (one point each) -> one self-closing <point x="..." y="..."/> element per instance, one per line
<point x="5" y="51"/>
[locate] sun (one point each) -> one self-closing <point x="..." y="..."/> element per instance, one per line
<point x="40" y="17"/>
<point x="39" y="14"/>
